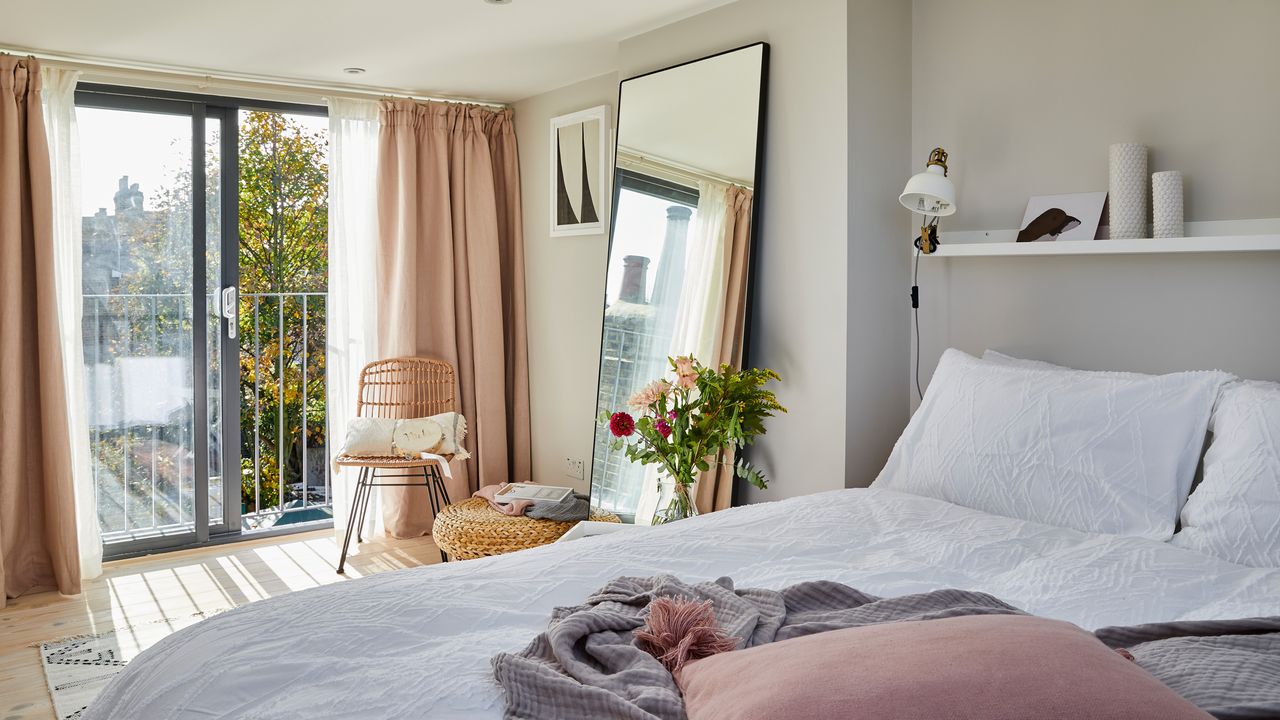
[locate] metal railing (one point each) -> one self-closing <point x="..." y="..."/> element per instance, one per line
<point x="140" y="424"/>
<point x="300" y="496"/>
<point x="625" y="365"/>
<point x="138" y="349"/>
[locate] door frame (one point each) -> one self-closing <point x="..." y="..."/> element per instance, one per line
<point x="227" y="110"/>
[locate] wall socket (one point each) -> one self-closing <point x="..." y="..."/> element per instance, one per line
<point x="573" y="467"/>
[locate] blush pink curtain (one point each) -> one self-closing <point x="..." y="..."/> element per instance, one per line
<point x="450" y="265"/>
<point x="715" y="487"/>
<point x="38" y="549"/>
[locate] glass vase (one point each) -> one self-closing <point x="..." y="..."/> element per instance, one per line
<point x="676" y="501"/>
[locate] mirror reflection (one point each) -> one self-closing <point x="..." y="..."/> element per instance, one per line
<point x="679" y="256"/>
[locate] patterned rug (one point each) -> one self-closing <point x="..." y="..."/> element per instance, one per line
<point x="76" y="669"/>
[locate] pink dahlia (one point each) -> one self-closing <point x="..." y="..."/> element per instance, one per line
<point x="663" y="428"/>
<point x="621" y="424"/>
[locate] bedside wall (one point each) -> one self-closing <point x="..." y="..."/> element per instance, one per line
<point x="1026" y="97"/>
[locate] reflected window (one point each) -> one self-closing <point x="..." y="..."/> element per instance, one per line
<point x="645" y="279"/>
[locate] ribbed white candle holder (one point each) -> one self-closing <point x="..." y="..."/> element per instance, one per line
<point x="1166" y="204"/>
<point x="1128" y="199"/>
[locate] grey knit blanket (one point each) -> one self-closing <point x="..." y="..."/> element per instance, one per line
<point x="586" y="665"/>
<point x="574" y="507"/>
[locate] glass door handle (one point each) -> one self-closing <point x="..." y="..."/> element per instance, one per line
<point x="230" y="310"/>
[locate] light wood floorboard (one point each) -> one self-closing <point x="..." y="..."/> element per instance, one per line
<point x="144" y="599"/>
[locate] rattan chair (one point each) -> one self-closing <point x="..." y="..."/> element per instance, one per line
<point x="399" y="388"/>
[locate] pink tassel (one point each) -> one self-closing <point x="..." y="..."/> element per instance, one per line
<point x="680" y="631"/>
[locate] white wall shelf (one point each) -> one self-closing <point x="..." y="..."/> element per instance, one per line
<point x="1221" y="243"/>
<point x="1204" y="237"/>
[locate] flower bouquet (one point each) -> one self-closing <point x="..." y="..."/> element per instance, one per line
<point x="684" y="425"/>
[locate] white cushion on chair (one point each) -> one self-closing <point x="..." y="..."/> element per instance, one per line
<point x="455" y="432"/>
<point x="369" y="437"/>
<point x="441" y="434"/>
<point x="417" y="436"/>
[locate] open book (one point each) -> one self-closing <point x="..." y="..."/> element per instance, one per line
<point x="535" y="493"/>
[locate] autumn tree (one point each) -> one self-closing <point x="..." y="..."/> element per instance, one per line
<point x="283" y="227"/>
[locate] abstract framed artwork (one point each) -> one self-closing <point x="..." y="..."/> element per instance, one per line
<point x="579" y="168"/>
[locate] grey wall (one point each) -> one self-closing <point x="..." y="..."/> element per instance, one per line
<point x="879" y="161"/>
<point x="564" y="291"/>
<point x="1026" y="96"/>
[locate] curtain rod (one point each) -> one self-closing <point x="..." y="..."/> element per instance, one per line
<point x="629" y="156"/>
<point x="202" y="79"/>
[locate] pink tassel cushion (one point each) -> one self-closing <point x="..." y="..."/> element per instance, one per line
<point x="680" y="631"/>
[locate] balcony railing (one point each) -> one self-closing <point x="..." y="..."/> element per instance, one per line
<point x="625" y="365"/>
<point x="297" y="343"/>
<point x="138" y="350"/>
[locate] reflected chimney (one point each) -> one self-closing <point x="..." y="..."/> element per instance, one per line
<point x="635" y="277"/>
<point x="670" y="281"/>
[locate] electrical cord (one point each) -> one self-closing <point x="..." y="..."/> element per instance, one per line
<point x="915" y="312"/>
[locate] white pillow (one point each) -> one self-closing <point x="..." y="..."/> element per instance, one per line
<point x="369" y="437"/>
<point x="1098" y="452"/>
<point x="441" y="434"/>
<point x="455" y="432"/>
<point x="999" y="358"/>
<point x="414" y="437"/>
<point x="1234" y="514"/>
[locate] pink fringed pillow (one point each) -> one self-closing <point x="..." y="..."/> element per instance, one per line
<point x="977" y="667"/>
<point x="680" y="631"/>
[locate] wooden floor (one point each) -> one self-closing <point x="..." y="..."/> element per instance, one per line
<point x="144" y="599"/>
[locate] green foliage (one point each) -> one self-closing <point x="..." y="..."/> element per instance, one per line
<point x="684" y="428"/>
<point x="283" y="222"/>
<point x="284" y="205"/>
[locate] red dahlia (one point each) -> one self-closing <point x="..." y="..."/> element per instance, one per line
<point x="621" y="424"/>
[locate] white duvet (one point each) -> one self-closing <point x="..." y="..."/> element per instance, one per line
<point x="416" y="643"/>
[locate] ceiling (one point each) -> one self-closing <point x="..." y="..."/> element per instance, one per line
<point x="452" y="48"/>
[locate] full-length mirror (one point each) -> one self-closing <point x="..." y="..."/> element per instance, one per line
<point x="690" y="139"/>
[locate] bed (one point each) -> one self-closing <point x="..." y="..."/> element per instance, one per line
<point x="417" y="643"/>
<point x="1056" y="491"/>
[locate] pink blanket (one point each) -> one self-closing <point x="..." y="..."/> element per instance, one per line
<point x="513" y="508"/>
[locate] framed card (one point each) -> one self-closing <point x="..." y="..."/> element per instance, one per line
<point x="579" y="171"/>
<point x="1062" y="217"/>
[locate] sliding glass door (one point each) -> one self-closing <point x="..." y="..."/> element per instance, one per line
<point x="183" y="371"/>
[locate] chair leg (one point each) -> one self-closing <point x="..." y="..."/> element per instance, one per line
<point x="369" y="475"/>
<point x="351" y="522"/>
<point x="436" y="484"/>
<point x="427" y="478"/>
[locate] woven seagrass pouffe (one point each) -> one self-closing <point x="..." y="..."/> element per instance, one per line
<point x="471" y="529"/>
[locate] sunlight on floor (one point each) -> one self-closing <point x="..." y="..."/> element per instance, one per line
<point x="145" y="599"/>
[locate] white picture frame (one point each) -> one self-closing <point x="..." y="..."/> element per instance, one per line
<point x="579" y="181"/>
<point x="1086" y="208"/>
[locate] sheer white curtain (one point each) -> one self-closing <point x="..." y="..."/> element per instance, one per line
<point x="58" y="99"/>
<point x="353" y="233"/>
<point x="700" y="314"/>
<point x="699" y="310"/>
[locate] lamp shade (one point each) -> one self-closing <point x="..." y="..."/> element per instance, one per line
<point x="929" y="193"/>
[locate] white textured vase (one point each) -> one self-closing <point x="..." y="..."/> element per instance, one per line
<point x="1166" y="204"/>
<point x="1128" y="199"/>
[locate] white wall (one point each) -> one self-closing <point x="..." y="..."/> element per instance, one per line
<point x="564" y="291"/>
<point x="1027" y="96"/>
